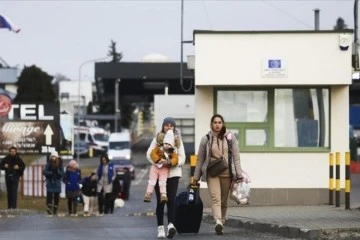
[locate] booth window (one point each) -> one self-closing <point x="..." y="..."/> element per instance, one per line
<point x="277" y="119"/>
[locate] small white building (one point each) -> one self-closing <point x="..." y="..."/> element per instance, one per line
<point x="286" y="96"/>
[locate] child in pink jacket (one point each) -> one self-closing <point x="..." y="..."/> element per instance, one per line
<point x="163" y="157"/>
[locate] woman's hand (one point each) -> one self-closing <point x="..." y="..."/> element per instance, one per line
<point x="240" y="180"/>
<point x="162" y="161"/>
<point x="195" y="182"/>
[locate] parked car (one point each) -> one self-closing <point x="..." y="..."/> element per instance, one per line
<point x="122" y="166"/>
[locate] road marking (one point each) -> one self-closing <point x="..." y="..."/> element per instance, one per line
<point x="140" y="214"/>
<point x="141" y="175"/>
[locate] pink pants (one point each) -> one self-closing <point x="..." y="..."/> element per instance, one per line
<point x="155" y="174"/>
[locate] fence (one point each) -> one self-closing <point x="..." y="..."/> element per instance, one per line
<point x="33" y="182"/>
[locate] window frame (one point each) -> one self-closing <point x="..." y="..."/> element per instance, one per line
<point x="268" y="126"/>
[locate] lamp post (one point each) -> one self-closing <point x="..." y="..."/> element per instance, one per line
<point x="79" y="102"/>
<point x="182" y="48"/>
<point x="117" y="110"/>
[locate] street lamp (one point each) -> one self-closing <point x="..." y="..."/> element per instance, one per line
<point x="182" y="48"/>
<point x="117" y="110"/>
<point x="79" y="102"/>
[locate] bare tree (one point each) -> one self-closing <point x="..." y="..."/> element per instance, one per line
<point x="115" y="56"/>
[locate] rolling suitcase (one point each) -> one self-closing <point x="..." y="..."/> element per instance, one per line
<point x="188" y="211"/>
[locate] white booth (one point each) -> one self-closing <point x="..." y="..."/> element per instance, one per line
<point x="285" y="94"/>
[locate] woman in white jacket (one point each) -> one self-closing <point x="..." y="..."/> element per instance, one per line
<point x="171" y="183"/>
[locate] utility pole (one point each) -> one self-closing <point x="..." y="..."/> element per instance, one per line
<point x="356" y="32"/>
<point x="117" y="110"/>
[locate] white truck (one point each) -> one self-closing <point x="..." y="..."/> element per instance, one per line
<point x="94" y="137"/>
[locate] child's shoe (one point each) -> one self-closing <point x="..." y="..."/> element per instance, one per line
<point x="147" y="197"/>
<point x="163" y="198"/>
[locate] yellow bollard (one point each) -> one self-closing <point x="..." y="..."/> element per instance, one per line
<point x="347" y="180"/>
<point x="331" y="179"/>
<point x="193" y="160"/>
<point x="91" y="152"/>
<point x="337" y="182"/>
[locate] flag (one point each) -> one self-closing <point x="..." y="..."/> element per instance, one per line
<point x="6" y="23"/>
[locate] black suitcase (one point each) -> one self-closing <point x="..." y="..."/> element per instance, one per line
<point x="188" y="214"/>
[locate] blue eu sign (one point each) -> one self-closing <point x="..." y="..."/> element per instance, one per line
<point x="274" y="63"/>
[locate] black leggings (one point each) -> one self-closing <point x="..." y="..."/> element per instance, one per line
<point x="52" y="199"/>
<point x="171" y="190"/>
<point x="104" y="202"/>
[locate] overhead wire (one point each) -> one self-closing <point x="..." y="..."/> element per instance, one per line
<point x="288" y="14"/>
<point x="206" y="13"/>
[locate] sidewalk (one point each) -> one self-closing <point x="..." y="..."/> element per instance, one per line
<point x="306" y="222"/>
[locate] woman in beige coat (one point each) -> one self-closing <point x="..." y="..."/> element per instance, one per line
<point x="213" y="145"/>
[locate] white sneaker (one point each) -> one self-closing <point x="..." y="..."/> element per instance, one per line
<point x="171" y="231"/>
<point x="219" y="229"/>
<point x="161" y="232"/>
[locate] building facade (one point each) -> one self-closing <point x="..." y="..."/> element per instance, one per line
<point x="285" y="94"/>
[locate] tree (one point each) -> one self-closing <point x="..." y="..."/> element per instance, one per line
<point x="60" y="77"/>
<point x="116" y="56"/>
<point x="34" y="85"/>
<point x="340" y="24"/>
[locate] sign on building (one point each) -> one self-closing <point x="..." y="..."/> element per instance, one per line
<point x="274" y="68"/>
<point x="33" y="128"/>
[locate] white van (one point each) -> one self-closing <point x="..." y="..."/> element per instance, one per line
<point x="94" y="137"/>
<point x="119" y="145"/>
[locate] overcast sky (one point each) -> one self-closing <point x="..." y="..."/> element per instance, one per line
<point x="58" y="36"/>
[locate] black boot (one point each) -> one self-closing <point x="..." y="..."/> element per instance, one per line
<point x="49" y="209"/>
<point x="55" y="208"/>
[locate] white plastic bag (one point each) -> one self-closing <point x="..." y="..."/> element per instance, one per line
<point x="119" y="203"/>
<point x="240" y="192"/>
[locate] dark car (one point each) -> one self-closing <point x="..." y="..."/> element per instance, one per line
<point x="123" y="166"/>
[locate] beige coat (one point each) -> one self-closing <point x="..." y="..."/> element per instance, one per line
<point x="203" y="157"/>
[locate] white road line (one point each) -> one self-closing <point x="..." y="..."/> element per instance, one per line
<point x="141" y="175"/>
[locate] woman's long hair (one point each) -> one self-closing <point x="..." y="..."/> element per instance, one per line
<point x="106" y="157"/>
<point x="223" y="129"/>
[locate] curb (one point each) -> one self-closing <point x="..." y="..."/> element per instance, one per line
<point x="277" y="229"/>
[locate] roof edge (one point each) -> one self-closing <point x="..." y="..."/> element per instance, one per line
<point x="272" y="32"/>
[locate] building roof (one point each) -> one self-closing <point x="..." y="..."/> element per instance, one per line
<point x="273" y="32"/>
<point x="141" y="70"/>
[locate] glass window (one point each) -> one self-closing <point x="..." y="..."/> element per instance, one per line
<point x="277" y="117"/>
<point x="301" y="117"/>
<point x="256" y="137"/>
<point x="243" y="106"/>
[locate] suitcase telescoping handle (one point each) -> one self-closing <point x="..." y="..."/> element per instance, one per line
<point x="193" y="194"/>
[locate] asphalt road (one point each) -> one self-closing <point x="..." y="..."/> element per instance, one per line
<point x="135" y="220"/>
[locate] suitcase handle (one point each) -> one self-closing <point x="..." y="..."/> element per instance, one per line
<point x="196" y="189"/>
